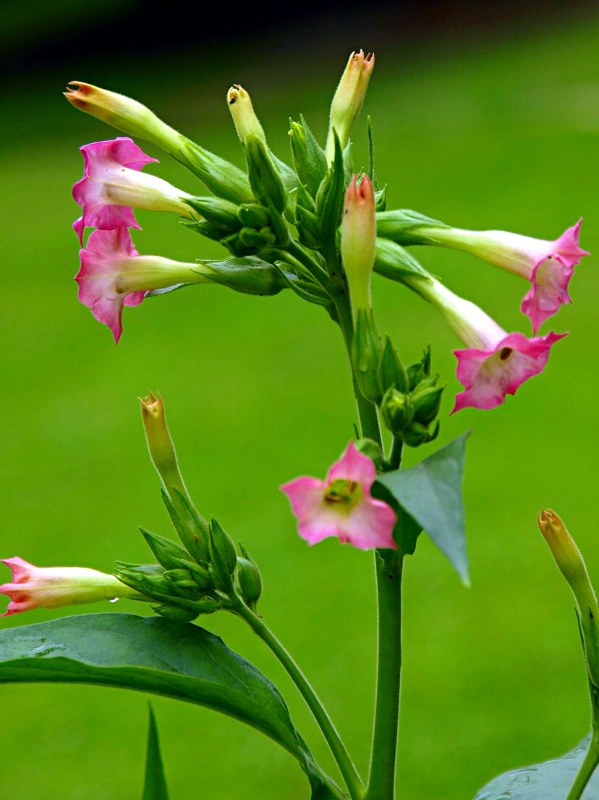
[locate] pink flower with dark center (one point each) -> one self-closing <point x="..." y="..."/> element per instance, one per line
<point x="111" y="162"/>
<point x="52" y="587"/>
<point x="491" y="374"/>
<point x="342" y="505"/>
<point x="114" y="275"/>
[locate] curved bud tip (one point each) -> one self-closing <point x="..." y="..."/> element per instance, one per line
<point x="77" y="96"/>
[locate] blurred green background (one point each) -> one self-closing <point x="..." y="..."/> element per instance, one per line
<point x="497" y="132"/>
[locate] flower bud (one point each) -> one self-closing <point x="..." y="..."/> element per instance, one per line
<point x="244" y="116"/>
<point x="358" y="241"/>
<point x="183" y="583"/>
<point x="366" y="353"/>
<point x="223" y="557"/>
<point x="160" y="444"/>
<point x="253" y="215"/>
<point x="309" y="158"/>
<point x="418" y="433"/>
<point x="427" y="400"/>
<point x="397" y="411"/>
<point x="392" y="372"/>
<point x="218" y="212"/>
<point x="175" y="613"/>
<point x="265" y="178"/>
<point x="257" y="239"/>
<point x="348" y="99"/>
<point x="249" y="581"/>
<point x="167" y="553"/>
<point x="53" y="587"/>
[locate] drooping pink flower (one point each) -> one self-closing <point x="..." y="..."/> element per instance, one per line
<point x="489" y="375"/>
<point x="114" y="275"/>
<point x="112" y="186"/>
<point x="495" y="363"/>
<point x="342" y="505"/>
<point x="548" y="265"/>
<point x="52" y="587"/>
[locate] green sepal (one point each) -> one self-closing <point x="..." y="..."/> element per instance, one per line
<point x="306" y="289"/>
<point x="204" y="228"/>
<point x="431" y="493"/>
<point x="249" y="581"/>
<point x="265" y="178"/>
<point x="218" y="212"/>
<point x="223" y="544"/>
<point x="220" y="176"/>
<point x="308" y="228"/>
<point x="253" y="215"/>
<point x="366" y="351"/>
<point x="155" y="787"/>
<point x="190" y="526"/>
<point x="309" y="158"/>
<point x="391" y="369"/>
<point x="380" y="199"/>
<point x="168" y="553"/>
<point x="392" y="261"/>
<point x="420" y="370"/>
<point x="246" y="274"/>
<point x="404" y="226"/>
<point x="174" y="613"/>
<point x="257" y="239"/>
<point x="329" y="206"/>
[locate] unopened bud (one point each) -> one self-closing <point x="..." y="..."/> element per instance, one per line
<point x="218" y="212"/>
<point x="366" y="355"/>
<point x="308" y="156"/>
<point x="427" y="400"/>
<point x="244" y="116"/>
<point x="391" y="369"/>
<point x="253" y="215"/>
<point x="257" y="239"/>
<point x="358" y="241"/>
<point x="249" y="582"/>
<point x="223" y="556"/>
<point x="417" y="434"/>
<point x="397" y="411"/>
<point x="160" y="443"/>
<point x="175" y="613"/>
<point x="265" y="178"/>
<point x="167" y="553"/>
<point x="348" y="99"/>
<point x="182" y="582"/>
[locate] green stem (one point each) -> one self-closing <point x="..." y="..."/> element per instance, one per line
<point x="338" y="749"/>
<point x="381" y="784"/>
<point x="396" y="453"/>
<point x="586" y="770"/>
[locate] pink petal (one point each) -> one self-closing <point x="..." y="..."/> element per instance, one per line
<point x="371" y="525"/>
<point x="353" y="466"/>
<point x="305" y="494"/>
<point x="121" y="150"/>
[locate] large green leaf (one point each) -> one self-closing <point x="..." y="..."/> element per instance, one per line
<point x="151" y="654"/>
<point x="155" y="782"/>
<point x="550" y="780"/>
<point x="431" y="493"/>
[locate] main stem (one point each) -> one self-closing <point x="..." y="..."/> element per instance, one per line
<point x="389" y="571"/>
<point x="586" y="770"/>
<point x="344" y="762"/>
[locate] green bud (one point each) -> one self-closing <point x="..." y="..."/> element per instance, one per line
<point x="148" y="579"/>
<point x="249" y="582"/>
<point x="258" y="239"/>
<point x="366" y="352"/>
<point x="183" y="583"/>
<point x="371" y="449"/>
<point x="168" y="553"/>
<point x="407" y="227"/>
<point x="223" y="554"/>
<point x="205" y="229"/>
<point x="245" y="274"/>
<point x="397" y="411"/>
<point x="309" y="158"/>
<point x="175" y="613"/>
<point x="253" y="215"/>
<point x="265" y="179"/>
<point x="218" y="212"/>
<point x="391" y="369"/>
<point x="427" y="400"/>
<point x="234" y="244"/>
<point x="308" y="227"/>
<point x="348" y="99"/>
<point x="421" y="369"/>
<point x="244" y="117"/>
<point x="418" y="434"/>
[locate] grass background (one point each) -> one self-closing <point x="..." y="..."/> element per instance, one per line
<point x="504" y="135"/>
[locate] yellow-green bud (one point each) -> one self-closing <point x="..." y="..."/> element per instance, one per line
<point x="244" y="116"/>
<point x="348" y="99"/>
<point x="160" y="443"/>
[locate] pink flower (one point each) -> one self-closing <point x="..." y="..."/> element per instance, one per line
<point x="496" y="363"/>
<point x="114" y="275"/>
<point x="52" y="587"/>
<point x="489" y="375"/>
<point x="112" y="185"/>
<point x="548" y="265"/>
<point x="342" y="505"/>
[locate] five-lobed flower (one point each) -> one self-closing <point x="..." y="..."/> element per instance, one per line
<point x="342" y="505"/>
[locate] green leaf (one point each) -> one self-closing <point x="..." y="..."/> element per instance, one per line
<point x="550" y="780"/>
<point x="150" y="654"/>
<point x="431" y="493"/>
<point x="155" y="782"/>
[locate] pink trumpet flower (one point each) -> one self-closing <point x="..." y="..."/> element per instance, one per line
<point x="52" y="587"/>
<point x="112" y="186"/>
<point x="114" y="275"/>
<point x="342" y="505"/>
<point x="548" y="265"/>
<point x="495" y="363"/>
